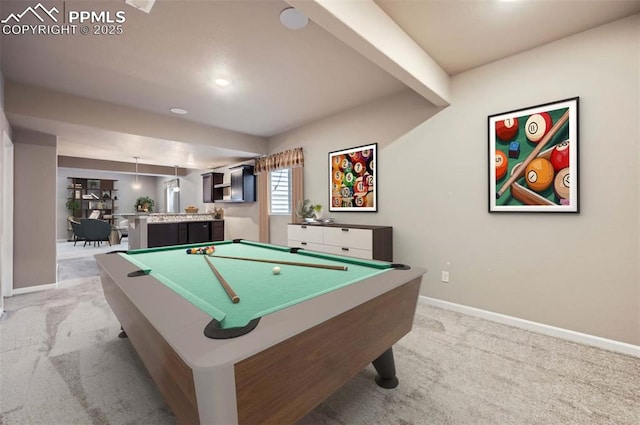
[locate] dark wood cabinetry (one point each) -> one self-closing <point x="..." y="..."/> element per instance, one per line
<point x="183" y="233"/>
<point x="166" y="234"/>
<point x="207" y="188"/>
<point x="199" y="231"/>
<point x="212" y="187"/>
<point x="217" y="230"/>
<point x="242" y="186"/>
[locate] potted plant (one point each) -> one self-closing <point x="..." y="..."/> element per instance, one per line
<point x="72" y="205"/>
<point x="308" y="210"/>
<point x="144" y="204"/>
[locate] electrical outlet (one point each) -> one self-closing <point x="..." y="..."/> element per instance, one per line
<point x="445" y="276"/>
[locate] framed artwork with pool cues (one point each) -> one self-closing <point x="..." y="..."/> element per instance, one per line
<point x="533" y="159"/>
<point x="352" y="182"/>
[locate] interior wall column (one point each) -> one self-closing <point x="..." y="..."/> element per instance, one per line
<point x="34" y="242"/>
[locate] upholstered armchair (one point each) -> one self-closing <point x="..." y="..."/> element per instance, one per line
<point x="78" y="232"/>
<point x="95" y="230"/>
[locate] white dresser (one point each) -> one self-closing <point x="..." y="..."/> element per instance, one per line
<point x="360" y="241"/>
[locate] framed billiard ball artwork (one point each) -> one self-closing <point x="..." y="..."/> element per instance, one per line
<point x="533" y="159"/>
<point x="352" y="179"/>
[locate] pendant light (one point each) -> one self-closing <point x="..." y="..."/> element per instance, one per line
<point x="176" y="188"/>
<point x="136" y="185"/>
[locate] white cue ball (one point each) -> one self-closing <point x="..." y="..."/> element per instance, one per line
<point x="276" y="270"/>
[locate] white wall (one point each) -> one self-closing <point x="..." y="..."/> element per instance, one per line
<point x="6" y="215"/>
<point x="578" y="272"/>
<point x="6" y="203"/>
<point x="381" y="122"/>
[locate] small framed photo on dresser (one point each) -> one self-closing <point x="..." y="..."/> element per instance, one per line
<point x="533" y="159"/>
<point x="352" y="181"/>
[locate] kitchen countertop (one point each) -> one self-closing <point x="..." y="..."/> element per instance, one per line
<point x="171" y="217"/>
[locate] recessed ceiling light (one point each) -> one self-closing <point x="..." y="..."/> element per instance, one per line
<point x="179" y="111"/>
<point x="222" y="82"/>
<point x="293" y="19"/>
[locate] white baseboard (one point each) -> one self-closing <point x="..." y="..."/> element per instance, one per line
<point x="28" y="289"/>
<point x="586" y="339"/>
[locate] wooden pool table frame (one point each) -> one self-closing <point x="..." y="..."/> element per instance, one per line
<point x="279" y="372"/>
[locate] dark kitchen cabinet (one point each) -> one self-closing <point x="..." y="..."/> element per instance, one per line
<point x="217" y="230"/>
<point x="162" y="234"/>
<point x="212" y="189"/>
<point x="243" y="184"/>
<point x="199" y="231"/>
<point x="166" y="234"/>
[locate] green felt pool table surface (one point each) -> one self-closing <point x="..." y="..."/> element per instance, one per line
<point x="260" y="290"/>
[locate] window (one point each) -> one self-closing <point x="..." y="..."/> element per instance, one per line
<point x="280" y="187"/>
<point x="172" y="197"/>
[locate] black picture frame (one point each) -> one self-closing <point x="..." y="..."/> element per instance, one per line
<point x="353" y="179"/>
<point x="533" y="161"/>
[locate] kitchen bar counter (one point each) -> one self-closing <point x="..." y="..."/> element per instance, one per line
<point x="170" y="217"/>
<point x="150" y="230"/>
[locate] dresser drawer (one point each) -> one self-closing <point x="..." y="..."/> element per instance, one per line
<point x="305" y="233"/>
<point x="349" y="252"/>
<point x="307" y="246"/>
<point x="345" y="237"/>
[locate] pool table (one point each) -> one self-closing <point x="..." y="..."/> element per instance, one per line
<point x="292" y="340"/>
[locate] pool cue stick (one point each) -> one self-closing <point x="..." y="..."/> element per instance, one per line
<point x="564" y="118"/>
<point x="234" y="297"/>
<point x="289" y="263"/>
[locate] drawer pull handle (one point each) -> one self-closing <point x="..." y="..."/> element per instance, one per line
<point x="345" y="230"/>
<point x="303" y="243"/>
<point x="345" y="249"/>
<point x="303" y="227"/>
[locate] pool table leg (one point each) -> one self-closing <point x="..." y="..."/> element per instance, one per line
<point x="386" y="368"/>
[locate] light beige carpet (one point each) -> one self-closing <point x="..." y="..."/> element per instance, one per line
<point x="62" y="363"/>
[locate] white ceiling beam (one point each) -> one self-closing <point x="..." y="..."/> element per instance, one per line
<point x="46" y="105"/>
<point x="365" y="27"/>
